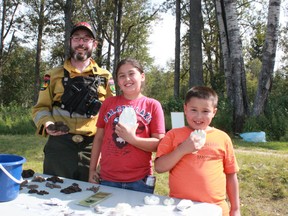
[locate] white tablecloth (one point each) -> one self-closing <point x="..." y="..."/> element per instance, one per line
<point x="33" y="204"/>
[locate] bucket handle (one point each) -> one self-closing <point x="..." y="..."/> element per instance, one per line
<point x="9" y="175"/>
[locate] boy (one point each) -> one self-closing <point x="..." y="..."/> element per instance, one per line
<point x="203" y="173"/>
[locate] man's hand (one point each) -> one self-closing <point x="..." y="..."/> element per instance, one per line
<point x="56" y="129"/>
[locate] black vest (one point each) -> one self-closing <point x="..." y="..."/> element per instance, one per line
<point x="81" y="94"/>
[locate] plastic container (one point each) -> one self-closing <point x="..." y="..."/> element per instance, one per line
<point x="254" y="136"/>
<point x="10" y="176"/>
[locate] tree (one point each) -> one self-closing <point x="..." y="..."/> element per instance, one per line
<point x="265" y="79"/>
<point x="8" y="20"/>
<point x="117" y="31"/>
<point x="123" y="26"/>
<point x="41" y="21"/>
<point x="68" y="12"/>
<point x="17" y="77"/>
<point x="257" y="42"/>
<point x="177" y="50"/>
<point x="195" y="39"/>
<point x="39" y="48"/>
<point x="212" y="62"/>
<point x="99" y="13"/>
<point x="231" y="47"/>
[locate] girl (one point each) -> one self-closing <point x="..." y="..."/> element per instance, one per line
<point x="126" y="150"/>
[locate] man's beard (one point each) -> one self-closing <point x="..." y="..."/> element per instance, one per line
<point x="80" y="56"/>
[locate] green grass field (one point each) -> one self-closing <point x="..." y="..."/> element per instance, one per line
<point x="263" y="175"/>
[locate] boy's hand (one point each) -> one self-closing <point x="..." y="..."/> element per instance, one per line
<point x="193" y="143"/>
<point x="199" y="139"/>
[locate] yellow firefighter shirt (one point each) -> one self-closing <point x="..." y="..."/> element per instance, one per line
<point x="51" y="91"/>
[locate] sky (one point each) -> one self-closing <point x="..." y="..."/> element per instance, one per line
<point x="162" y="38"/>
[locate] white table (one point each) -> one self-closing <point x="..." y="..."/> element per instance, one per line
<point x="33" y="204"/>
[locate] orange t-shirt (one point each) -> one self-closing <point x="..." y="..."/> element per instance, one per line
<point x="202" y="176"/>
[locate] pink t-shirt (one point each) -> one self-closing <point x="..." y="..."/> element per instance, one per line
<point x="202" y="176"/>
<point x="120" y="161"/>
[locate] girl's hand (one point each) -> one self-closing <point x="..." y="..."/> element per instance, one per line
<point x="127" y="133"/>
<point x="94" y="177"/>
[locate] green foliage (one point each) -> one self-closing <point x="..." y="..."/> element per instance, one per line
<point x="16" y="120"/>
<point x="158" y="85"/>
<point x="134" y="13"/>
<point x="17" y="77"/>
<point x="274" y="126"/>
<point x="171" y="105"/>
<point x="253" y="68"/>
<point x="274" y="120"/>
<point x="57" y="54"/>
<point x="257" y="41"/>
<point x="223" y="118"/>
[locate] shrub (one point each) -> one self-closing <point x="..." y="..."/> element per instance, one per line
<point x="224" y="117"/>
<point x="172" y="105"/>
<point x="274" y="121"/>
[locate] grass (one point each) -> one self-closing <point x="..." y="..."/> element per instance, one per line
<point x="263" y="184"/>
<point x="263" y="175"/>
<point x="28" y="146"/>
<point x="279" y="147"/>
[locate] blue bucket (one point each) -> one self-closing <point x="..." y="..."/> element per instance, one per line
<point x="10" y="176"/>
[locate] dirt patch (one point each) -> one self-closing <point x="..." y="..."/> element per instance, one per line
<point x="261" y="153"/>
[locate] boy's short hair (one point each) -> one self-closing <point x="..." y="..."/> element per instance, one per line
<point x="202" y="92"/>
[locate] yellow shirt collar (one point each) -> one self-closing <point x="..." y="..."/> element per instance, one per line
<point x="92" y="68"/>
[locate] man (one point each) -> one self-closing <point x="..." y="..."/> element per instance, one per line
<point x="68" y="105"/>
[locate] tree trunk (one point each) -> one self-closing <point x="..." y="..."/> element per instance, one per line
<point x="117" y="36"/>
<point x="195" y="39"/>
<point x="41" y="24"/>
<point x="224" y="47"/>
<point x="177" y="50"/>
<point x="117" y="31"/>
<point x="68" y="26"/>
<point x="108" y="65"/>
<point x="6" y="29"/>
<point x="2" y="33"/>
<point x="233" y="61"/>
<point x="265" y="78"/>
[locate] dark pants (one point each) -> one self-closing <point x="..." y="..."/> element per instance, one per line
<point x="66" y="158"/>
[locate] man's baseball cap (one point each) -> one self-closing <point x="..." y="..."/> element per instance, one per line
<point x="85" y="26"/>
